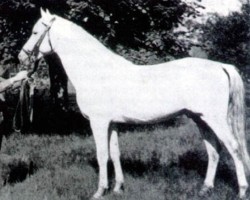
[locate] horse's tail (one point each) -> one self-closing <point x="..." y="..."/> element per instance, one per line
<point x="236" y="113"/>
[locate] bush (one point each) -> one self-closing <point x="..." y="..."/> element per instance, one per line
<point x="226" y="39"/>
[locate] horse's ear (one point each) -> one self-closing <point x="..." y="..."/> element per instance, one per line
<point x="48" y="12"/>
<point x="46" y="16"/>
<point x="43" y="13"/>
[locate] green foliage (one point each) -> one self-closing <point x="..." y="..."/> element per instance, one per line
<point x="14" y="23"/>
<point x="137" y="26"/>
<point x="226" y="39"/>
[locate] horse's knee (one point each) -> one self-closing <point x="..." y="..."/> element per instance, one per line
<point x="102" y="158"/>
<point x="114" y="152"/>
<point x="114" y="147"/>
<point x="215" y="157"/>
<point x="235" y="150"/>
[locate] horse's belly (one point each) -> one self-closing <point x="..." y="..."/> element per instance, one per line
<point x="146" y="118"/>
<point x="146" y="109"/>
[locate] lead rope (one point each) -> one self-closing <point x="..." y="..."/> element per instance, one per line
<point x="24" y="113"/>
<point x="18" y="116"/>
<point x="21" y="120"/>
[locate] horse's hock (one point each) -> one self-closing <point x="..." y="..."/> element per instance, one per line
<point x="14" y="169"/>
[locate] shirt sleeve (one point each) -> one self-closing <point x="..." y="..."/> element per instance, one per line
<point x="5" y="84"/>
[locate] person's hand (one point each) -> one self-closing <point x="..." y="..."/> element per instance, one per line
<point x="21" y="75"/>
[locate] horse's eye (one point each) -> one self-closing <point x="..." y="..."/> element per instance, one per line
<point x="34" y="33"/>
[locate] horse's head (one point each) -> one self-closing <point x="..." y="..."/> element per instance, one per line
<point x="39" y="43"/>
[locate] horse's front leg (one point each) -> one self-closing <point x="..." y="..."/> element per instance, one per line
<point x="115" y="156"/>
<point x="100" y="131"/>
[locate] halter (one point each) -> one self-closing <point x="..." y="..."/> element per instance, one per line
<point x="34" y="52"/>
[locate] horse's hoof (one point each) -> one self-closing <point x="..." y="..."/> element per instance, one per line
<point x="99" y="194"/>
<point x="243" y="198"/>
<point x="205" y="191"/>
<point x="97" y="198"/>
<point x="119" y="192"/>
<point x="119" y="188"/>
<point x="243" y="193"/>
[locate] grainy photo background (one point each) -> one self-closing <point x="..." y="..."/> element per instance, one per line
<point x="54" y="157"/>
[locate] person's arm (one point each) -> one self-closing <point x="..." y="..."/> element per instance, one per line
<point x="9" y="82"/>
<point x="6" y="84"/>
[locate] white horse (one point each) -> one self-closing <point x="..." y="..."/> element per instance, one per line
<point x="111" y="89"/>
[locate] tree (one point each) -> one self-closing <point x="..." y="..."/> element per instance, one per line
<point x="137" y="27"/>
<point x="13" y="25"/>
<point x="227" y="39"/>
<point x="16" y="21"/>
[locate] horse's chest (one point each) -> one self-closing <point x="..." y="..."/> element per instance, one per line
<point x="92" y="100"/>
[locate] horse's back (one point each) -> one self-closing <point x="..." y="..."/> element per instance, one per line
<point x="149" y="92"/>
<point x="189" y="64"/>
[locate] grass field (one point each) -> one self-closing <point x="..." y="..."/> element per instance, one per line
<point x="160" y="162"/>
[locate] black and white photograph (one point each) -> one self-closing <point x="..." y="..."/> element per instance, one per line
<point x="124" y="99"/>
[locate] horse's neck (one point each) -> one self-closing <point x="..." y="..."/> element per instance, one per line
<point x="82" y="55"/>
<point x="74" y="48"/>
<point x="72" y="39"/>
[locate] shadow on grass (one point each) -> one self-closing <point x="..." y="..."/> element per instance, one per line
<point x="198" y="162"/>
<point x="15" y="170"/>
<point x="20" y="172"/>
<point x="191" y="161"/>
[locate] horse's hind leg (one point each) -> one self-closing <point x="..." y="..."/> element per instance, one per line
<point x="213" y="148"/>
<point x="223" y="132"/>
<point x="213" y="159"/>
<point x="115" y="157"/>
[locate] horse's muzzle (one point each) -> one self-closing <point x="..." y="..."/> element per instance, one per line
<point x="22" y="56"/>
<point x="24" y="59"/>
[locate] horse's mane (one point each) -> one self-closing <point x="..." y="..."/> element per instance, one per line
<point x="87" y="41"/>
